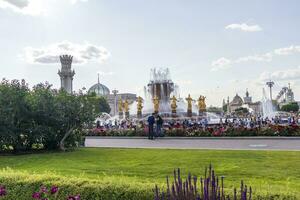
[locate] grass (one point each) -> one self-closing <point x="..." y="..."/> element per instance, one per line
<point x="275" y="172"/>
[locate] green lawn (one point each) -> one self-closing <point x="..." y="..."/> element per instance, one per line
<point x="266" y="171"/>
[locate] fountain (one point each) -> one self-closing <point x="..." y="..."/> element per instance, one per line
<point x="268" y="109"/>
<point x="161" y="95"/>
<point x="160" y="88"/>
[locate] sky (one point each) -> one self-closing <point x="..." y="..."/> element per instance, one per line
<point x="214" y="48"/>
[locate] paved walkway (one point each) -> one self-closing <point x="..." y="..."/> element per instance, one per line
<point x="197" y="143"/>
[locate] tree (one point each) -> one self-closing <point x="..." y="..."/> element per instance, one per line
<point x="290" y="107"/>
<point x="214" y="109"/>
<point x="42" y="116"/>
<point x="100" y="103"/>
<point x="73" y="113"/>
<point x="225" y="108"/>
<point x="241" y="111"/>
<point x="15" y="118"/>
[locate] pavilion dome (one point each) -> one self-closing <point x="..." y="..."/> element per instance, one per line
<point x="99" y="89"/>
<point x="237" y="100"/>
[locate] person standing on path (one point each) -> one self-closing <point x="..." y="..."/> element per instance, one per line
<point x="151" y="121"/>
<point x="159" y="123"/>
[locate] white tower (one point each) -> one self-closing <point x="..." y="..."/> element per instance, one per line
<point x="66" y="74"/>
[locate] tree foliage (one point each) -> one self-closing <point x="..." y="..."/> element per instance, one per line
<point x="42" y="117"/>
<point x="100" y="103"/>
<point x="214" y="109"/>
<point x="241" y="111"/>
<point x="291" y="107"/>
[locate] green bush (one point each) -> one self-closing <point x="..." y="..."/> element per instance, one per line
<point x="42" y="117"/>
<point x="21" y="185"/>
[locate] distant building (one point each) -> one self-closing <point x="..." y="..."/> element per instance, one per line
<point x="112" y="98"/>
<point x="285" y="96"/>
<point x="247" y="98"/>
<point x="238" y="102"/>
<point x="66" y="73"/>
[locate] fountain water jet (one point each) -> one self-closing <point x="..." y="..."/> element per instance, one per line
<point x="268" y="109"/>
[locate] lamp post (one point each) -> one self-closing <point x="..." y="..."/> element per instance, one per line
<point x="115" y="92"/>
<point x="270" y="85"/>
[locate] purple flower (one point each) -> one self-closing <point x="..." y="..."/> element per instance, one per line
<point x="2" y="191"/>
<point x="36" y="195"/>
<point x="54" y="189"/>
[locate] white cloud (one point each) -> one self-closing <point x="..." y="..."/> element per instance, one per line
<point x="244" y="27"/>
<point x="29" y="7"/>
<point x="287" y="50"/>
<point x="224" y="63"/>
<point x="281" y="75"/>
<point x="82" y="53"/>
<point x="264" y="57"/>
<point x="75" y="1"/>
<point x="221" y="63"/>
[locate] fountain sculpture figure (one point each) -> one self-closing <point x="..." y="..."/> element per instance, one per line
<point x="173" y="105"/>
<point x="156" y="104"/>
<point x="201" y="105"/>
<point x="139" y="106"/>
<point x="189" y="106"/>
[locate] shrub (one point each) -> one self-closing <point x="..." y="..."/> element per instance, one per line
<point x="41" y="118"/>
<point x="20" y="185"/>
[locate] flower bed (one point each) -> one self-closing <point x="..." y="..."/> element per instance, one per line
<point x="213" y="131"/>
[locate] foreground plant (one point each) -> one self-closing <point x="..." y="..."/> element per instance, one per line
<point x="76" y="197"/>
<point x="46" y="194"/>
<point x="2" y="191"/>
<point x="211" y="188"/>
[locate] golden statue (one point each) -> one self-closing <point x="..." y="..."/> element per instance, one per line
<point x="156" y="104"/>
<point x="120" y="106"/>
<point x="126" y="106"/>
<point x="139" y="104"/>
<point x="173" y="104"/>
<point x="189" y="101"/>
<point x="201" y="103"/>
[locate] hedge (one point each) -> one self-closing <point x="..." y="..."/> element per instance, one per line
<point x="21" y="185"/>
